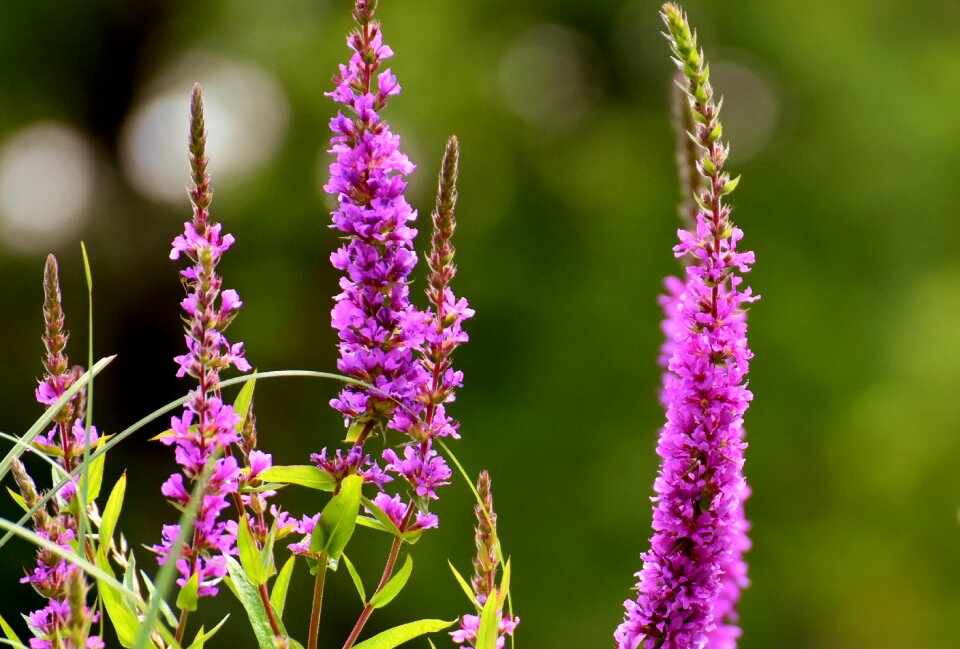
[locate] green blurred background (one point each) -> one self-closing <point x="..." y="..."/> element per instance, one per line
<point x="842" y="118"/>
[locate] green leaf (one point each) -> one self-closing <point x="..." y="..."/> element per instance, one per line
<point x="187" y="599"/>
<point x="715" y="133"/>
<point x="467" y="590"/>
<point x="17" y="498"/>
<point x="489" y="625"/>
<point x="250" y="554"/>
<point x="266" y="554"/>
<point x="353" y="433"/>
<point x="39" y="425"/>
<point x="8" y="630"/>
<point x="299" y="474"/>
<point x="398" y="635"/>
<point x="278" y="598"/>
<point x="121" y="614"/>
<point x="730" y="186"/>
<point x="165" y="609"/>
<point x="338" y="520"/>
<point x="108" y="522"/>
<point x="241" y="405"/>
<point x="504" y="589"/>
<point x="247" y="593"/>
<point x="355" y="576"/>
<point x="203" y="636"/>
<point x="95" y="477"/>
<point x="393" y="587"/>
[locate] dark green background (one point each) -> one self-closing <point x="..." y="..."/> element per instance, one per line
<point x="566" y="224"/>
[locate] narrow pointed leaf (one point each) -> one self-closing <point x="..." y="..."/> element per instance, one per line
<point x="203" y="636"/>
<point x="404" y="633"/>
<point x="108" y="522"/>
<point x="189" y="594"/>
<point x="489" y="625"/>
<point x="464" y="586"/>
<point x="393" y="587"/>
<point x="250" y="555"/>
<point x="241" y="404"/>
<point x="355" y="576"/>
<point x="278" y="598"/>
<point x="8" y="630"/>
<point x="302" y="474"/>
<point x="247" y="593"/>
<point x="95" y="477"/>
<point x="17" y="498"/>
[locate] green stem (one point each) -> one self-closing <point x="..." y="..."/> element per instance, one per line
<point x="317" y="601"/>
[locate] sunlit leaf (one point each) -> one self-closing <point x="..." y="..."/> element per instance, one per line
<point x="355" y="576"/>
<point x="250" y="554"/>
<point x="338" y="519"/>
<point x="302" y="474"/>
<point x="393" y="587"/>
<point x="405" y="632"/>
<point x="278" y="598"/>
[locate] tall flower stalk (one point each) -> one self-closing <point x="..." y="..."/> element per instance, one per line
<point x="207" y="426"/>
<point x="691" y="576"/>
<point x="64" y="623"/>
<point x="402" y="353"/>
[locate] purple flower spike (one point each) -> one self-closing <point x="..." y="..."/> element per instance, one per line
<point x="208" y="426"/>
<point x="379" y="330"/>
<point x="693" y="572"/>
<point x="64" y="621"/>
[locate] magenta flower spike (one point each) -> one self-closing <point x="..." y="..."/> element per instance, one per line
<point x="379" y="329"/>
<point x="401" y="352"/>
<point x="207" y="426"/>
<point x="65" y="620"/>
<point x="693" y="572"/>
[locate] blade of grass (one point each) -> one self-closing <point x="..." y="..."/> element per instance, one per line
<point x="83" y="491"/>
<point x="47" y="417"/>
<point x="156" y="414"/>
<point x="166" y="576"/>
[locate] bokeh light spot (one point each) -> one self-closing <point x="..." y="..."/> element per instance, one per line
<point x="550" y="76"/>
<point x="246" y="111"/>
<point x="47" y="180"/>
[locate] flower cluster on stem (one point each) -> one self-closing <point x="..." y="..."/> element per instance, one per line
<point x="207" y="426"/>
<point x="401" y="352"/>
<point x="64" y="622"/>
<point x="693" y="572"/>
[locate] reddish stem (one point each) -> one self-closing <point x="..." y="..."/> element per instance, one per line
<point x="387" y="572"/>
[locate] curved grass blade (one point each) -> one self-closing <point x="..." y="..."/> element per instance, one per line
<point x="45" y="420"/>
<point x="156" y="414"/>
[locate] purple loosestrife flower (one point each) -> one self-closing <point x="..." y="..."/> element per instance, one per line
<point x="379" y="329"/>
<point x="402" y="352"/>
<point x="485" y="563"/>
<point x="65" y="620"/>
<point x="207" y="426"/>
<point x="692" y="574"/>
